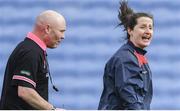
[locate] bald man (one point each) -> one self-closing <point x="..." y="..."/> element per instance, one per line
<point x="25" y="85"/>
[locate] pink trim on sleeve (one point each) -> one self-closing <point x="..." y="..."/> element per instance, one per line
<point x="24" y="79"/>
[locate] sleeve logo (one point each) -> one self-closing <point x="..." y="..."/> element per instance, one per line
<point x="25" y="72"/>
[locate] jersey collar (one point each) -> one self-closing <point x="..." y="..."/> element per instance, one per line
<point x="137" y="49"/>
<point x="37" y="40"/>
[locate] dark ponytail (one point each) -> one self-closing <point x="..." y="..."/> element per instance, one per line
<point x="125" y="14"/>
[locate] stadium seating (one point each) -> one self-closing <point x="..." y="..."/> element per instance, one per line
<point x="91" y="38"/>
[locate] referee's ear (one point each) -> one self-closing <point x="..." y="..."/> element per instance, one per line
<point x="47" y="29"/>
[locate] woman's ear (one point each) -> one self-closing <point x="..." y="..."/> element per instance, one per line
<point x="129" y="31"/>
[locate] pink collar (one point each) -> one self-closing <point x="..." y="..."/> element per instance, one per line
<point x="37" y="40"/>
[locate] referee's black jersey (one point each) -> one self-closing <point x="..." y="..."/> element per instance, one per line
<point x="27" y="66"/>
<point x="127" y="80"/>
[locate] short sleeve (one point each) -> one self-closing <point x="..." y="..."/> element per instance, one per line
<point x="25" y="71"/>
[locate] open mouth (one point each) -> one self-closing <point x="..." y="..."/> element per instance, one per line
<point x="146" y="38"/>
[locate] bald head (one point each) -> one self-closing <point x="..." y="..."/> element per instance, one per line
<point x="49" y="17"/>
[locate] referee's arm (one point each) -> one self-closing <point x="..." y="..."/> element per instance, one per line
<point x="33" y="98"/>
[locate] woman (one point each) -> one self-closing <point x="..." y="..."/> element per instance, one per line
<point x="127" y="76"/>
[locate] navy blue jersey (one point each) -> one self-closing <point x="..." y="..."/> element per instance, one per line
<point x="127" y="80"/>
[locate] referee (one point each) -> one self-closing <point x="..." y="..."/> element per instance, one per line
<point x="25" y="85"/>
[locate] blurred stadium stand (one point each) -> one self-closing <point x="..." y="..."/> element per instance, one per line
<point x="91" y="38"/>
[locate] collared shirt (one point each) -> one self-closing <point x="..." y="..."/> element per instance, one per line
<point x="27" y="66"/>
<point x="37" y="40"/>
<point x="127" y="80"/>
